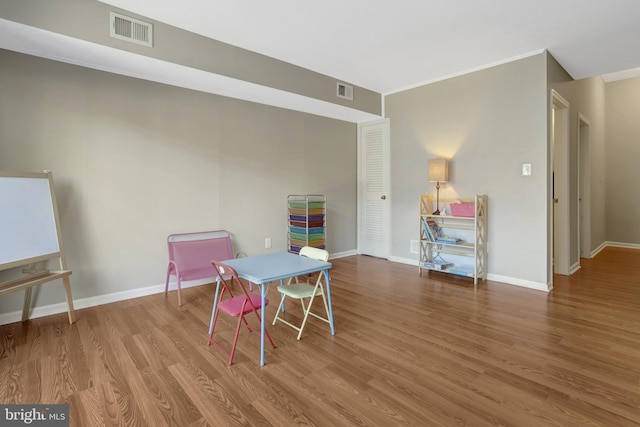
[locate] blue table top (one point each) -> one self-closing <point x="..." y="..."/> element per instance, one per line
<point x="275" y="266"/>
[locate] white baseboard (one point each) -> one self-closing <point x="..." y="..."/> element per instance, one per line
<point x="51" y="309"/>
<point x="575" y="267"/>
<point x="408" y="261"/>
<point x="48" y="310"/>
<point x="597" y="250"/>
<point x="493" y="277"/>
<point x="623" y="245"/>
<point x="520" y="282"/>
<point x="343" y="254"/>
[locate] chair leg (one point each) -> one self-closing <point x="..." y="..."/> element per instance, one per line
<point x="179" y="294"/>
<point x="324" y="300"/>
<point x="306" y="315"/>
<point x="214" y="314"/>
<point x="235" y="339"/>
<point x="265" y="329"/>
<point x="213" y="327"/>
<point x="166" y="284"/>
<point x="326" y="309"/>
<point x="307" y="311"/>
<point x="278" y="310"/>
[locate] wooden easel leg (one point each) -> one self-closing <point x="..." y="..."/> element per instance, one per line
<point x="27" y="304"/>
<point x="67" y="288"/>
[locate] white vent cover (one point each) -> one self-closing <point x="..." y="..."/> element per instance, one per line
<point x="130" y="29"/>
<point x="345" y="91"/>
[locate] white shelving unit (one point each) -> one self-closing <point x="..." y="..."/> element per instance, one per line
<point x="454" y="244"/>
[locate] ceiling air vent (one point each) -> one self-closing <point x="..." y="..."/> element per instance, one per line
<point x="130" y="29"/>
<point x="345" y="91"/>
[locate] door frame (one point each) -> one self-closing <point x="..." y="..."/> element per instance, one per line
<point x="387" y="184"/>
<point x="584" y="187"/>
<point x="559" y="263"/>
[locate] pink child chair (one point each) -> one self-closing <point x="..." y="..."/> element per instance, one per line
<point x="235" y="306"/>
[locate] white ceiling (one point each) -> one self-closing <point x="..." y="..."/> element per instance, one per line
<point x="390" y="45"/>
<point x="382" y="45"/>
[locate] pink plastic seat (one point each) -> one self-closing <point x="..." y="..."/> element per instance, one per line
<point x="190" y="256"/>
<point x="235" y="306"/>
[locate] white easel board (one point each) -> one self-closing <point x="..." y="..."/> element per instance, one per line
<point x="30" y="233"/>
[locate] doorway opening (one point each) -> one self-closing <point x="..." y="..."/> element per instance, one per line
<point x="584" y="188"/>
<point x="559" y="179"/>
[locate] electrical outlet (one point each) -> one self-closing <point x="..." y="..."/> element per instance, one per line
<point x="267" y="242"/>
<point x="414" y="247"/>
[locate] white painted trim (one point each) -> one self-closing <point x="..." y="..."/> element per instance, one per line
<point x="51" y="309"/>
<point x="597" y="250"/>
<point x="343" y="254"/>
<point x="621" y="75"/>
<point x="493" y="277"/>
<point x="401" y="260"/>
<point x="520" y="282"/>
<point x="562" y="190"/>
<point x="623" y="245"/>
<point x="575" y="267"/>
<point x="48" y="310"/>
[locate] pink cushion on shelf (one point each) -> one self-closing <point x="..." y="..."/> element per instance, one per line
<point x="463" y="209"/>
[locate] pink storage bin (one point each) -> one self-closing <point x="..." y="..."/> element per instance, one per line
<point x="463" y="209"/>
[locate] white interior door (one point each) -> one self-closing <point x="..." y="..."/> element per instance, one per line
<point x="374" y="198"/>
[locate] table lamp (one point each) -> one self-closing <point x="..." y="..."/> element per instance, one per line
<point x="438" y="172"/>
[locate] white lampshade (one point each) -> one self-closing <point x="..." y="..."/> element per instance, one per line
<point x="438" y="170"/>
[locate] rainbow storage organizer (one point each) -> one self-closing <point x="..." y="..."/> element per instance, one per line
<point x="306" y="215"/>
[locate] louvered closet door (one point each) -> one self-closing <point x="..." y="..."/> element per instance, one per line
<point x="373" y="189"/>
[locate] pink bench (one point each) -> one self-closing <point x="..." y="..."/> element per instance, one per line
<point x="190" y="256"/>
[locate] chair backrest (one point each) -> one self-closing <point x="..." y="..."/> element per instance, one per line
<point x="226" y="272"/>
<point x="314" y="253"/>
<point x="193" y="252"/>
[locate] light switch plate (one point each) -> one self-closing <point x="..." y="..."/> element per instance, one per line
<point x="526" y="169"/>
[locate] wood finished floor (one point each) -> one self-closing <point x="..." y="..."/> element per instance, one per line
<point x="408" y="350"/>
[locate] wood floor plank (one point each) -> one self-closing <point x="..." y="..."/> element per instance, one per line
<point x="409" y="350"/>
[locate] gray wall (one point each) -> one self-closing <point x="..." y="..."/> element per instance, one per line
<point x="623" y="152"/>
<point x="487" y="123"/>
<point x="134" y="161"/>
<point x="586" y="97"/>
<point x="89" y="20"/>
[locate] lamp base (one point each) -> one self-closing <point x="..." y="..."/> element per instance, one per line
<point x="436" y="212"/>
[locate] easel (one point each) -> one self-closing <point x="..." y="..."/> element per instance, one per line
<point x="28" y="206"/>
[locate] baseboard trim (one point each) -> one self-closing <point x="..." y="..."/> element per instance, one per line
<point x="545" y="287"/>
<point x="493" y="277"/>
<point x="51" y="309"/>
<point x="343" y="254"/>
<point x="408" y="261"/>
<point x="623" y="245"/>
<point x="575" y="267"/>
<point x="599" y="249"/>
